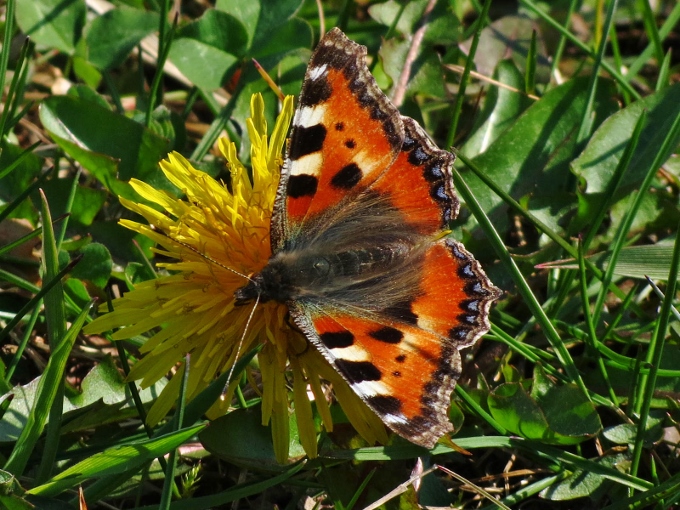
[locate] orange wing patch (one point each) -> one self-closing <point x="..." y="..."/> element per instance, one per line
<point x="455" y="295"/>
<point x="419" y="182"/>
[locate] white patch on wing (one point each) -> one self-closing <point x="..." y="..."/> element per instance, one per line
<point x="317" y="72"/>
<point x="394" y="419"/>
<point x="309" y="116"/>
<point x="309" y="164"/>
<point x="370" y="388"/>
<point x="351" y="353"/>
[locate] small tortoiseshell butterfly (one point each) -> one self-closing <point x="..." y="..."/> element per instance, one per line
<point x="359" y="252"/>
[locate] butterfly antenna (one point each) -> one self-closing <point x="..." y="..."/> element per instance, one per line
<point x="238" y="348"/>
<point x="203" y="255"/>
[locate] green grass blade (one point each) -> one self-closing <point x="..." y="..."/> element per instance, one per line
<point x="217" y="125"/>
<point x="55" y="317"/>
<point x="652" y="30"/>
<point x="16" y="89"/>
<point x="169" y="487"/>
<point x="200" y="404"/>
<point x="668" y="490"/>
<point x="591" y="337"/>
<point x="33" y="302"/>
<point x="4" y="59"/>
<point x="129" y="457"/>
<point x="7" y="170"/>
<point x="627" y="222"/>
<point x="554" y="67"/>
<point x="530" y="75"/>
<point x="155" y="92"/>
<point x="642" y="59"/>
<point x="615" y="182"/>
<point x="24" y="342"/>
<point x="621" y="80"/>
<point x="664" y="72"/>
<point x="479" y="410"/>
<point x="588" y="119"/>
<point x="647" y="383"/>
<point x="238" y="492"/>
<point x="48" y="391"/>
<point x="469" y="62"/>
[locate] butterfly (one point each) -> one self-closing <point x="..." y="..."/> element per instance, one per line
<point x="360" y="252"/>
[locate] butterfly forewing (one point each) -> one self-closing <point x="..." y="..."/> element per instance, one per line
<point x="345" y="132"/>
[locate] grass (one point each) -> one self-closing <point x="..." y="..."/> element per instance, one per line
<point x="569" y="179"/>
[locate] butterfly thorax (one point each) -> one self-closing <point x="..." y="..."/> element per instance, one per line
<point x="315" y="273"/>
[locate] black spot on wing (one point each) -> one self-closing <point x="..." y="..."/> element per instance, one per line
<point x="306" y="140"/>
<point x="401" y="358"/>
<point x="385" y="404"/>
<point x="350" y="144"/>
<point x="337" y="340"/>
<point x="315" y="92"/>
<point x="302" y="185"/>
<point x="387" y="334"/>
<point x="347" y="177"/>
<point x="358" y="371"/>
<point x="403" y="312"/>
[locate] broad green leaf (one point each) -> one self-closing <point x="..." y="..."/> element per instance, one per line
<point x="86" y="93"/>
<point x="551" y="414"/>
<point x="53" y="23"/>
<point x="596" y="165"/>
<point x="86" y="72"/>
<point x="136" y="273"/>
<point x="516" y="411"/>
<point x="265" y="21"/>
<point x="241" y="438"/>
<point x="86" y="203"/>
<point x="570" y="414"/>
<point x="501" y="108"/>
<point x="98" y="137"/>
<point x="120" y="459"/>
<point x="95" y="265"/>
<point x="206" y="66"/>
<point x="112" y="36"/>
<point x="102" y="388"/>
<point x="426" y="74"/>
<point x="533" y="155"/>
<point x="208" y="50"/>
<point x="582" y="483"/>
<point x="294" y="34"/>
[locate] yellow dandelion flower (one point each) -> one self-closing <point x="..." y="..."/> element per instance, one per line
<point x="208" y="235"/>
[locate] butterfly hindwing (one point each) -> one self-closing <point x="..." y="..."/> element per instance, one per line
<point x="404" y="360"/>
<point x="345" y="132"/>
<point x="404" y="374"/>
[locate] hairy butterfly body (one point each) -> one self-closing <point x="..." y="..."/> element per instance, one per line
<point x="359" y="255"/>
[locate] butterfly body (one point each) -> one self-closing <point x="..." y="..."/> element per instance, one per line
<point x="360" y="255"/>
